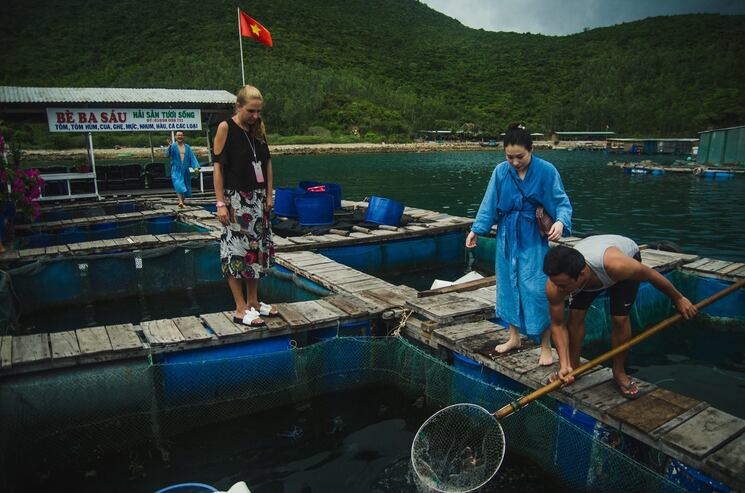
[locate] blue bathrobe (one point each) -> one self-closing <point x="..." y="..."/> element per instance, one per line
<point x="180" y="175"/>
<point x="521" y="283"/>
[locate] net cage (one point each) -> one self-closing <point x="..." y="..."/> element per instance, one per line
<point x="62" y="417"/>
<point x="84" y="279"/>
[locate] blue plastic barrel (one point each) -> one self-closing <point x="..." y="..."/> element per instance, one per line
<point x="160" y="225"/>
<point x="409" y="254"/>
<point x="227" y="372"/>
<point x="103" y="231"/>
<point x="284" y="201"/>
<point x="381" y="210"/>
<point x="35" y="240"/>
<point x="691" y="479"/>
<point x="367" y="258"/>
<point x="55" y="215"/>
<point x="332" y="188"/>
<point x="126" y="207"/>
<point x="573" y="460"/>
<point x="476" y="370"/>
<point x="315" y="209"/>
<point x="71" y="235"/>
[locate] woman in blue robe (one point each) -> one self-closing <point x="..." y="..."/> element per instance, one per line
<point x="182" y="158"/>
<point x="518" y="188"/>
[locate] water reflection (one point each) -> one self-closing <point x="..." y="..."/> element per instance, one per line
<point x="702" y="216"/>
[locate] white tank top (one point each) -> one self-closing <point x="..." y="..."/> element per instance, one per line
<point x="593" y="249"/>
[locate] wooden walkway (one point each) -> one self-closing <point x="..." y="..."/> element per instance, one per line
<point x="689" y="430"/>
<point x="357" y="296"/>
<point x="684" y="428"/>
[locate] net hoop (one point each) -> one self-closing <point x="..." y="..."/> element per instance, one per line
<point x="463" y="408"/>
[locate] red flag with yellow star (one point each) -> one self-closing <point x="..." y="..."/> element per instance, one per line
<point x="252" y="29"/>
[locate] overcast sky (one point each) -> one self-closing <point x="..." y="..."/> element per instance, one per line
<point x="559" y="17"/>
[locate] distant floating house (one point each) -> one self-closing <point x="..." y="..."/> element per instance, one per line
<point x="651" y="145"/>
<point x="585" y="136"/>
<point x="722" y="147"/>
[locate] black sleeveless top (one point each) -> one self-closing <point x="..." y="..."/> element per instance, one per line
<point x="237" y="158"/>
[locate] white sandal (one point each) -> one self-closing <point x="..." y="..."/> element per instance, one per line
<point x="266" y="310"/>
<point x="250" y="318"/>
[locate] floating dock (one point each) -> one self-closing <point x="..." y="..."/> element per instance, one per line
<point x="686" y="429"/>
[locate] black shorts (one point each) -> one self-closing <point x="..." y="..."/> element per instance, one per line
<point x="622" y="296"/>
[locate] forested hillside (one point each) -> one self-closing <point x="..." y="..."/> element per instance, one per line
<point x="391" y="66"/>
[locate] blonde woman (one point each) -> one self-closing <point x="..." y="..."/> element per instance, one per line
<point x="243" y="190"/>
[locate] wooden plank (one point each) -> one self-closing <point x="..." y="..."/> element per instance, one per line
<point x="6" y="351"/>
<point x="696" y="263"/>
<point x="64" y="344"/>
<point x="29" y="348"/>
<point x="293" y="318"/>
<point x="161" y="332"/>
<point x="348" y="304"/>
<point x="452" y="334"/>
<point x="521" y="362"/>
<point x="221" y="325"/>
<point x="731" y="268"/>
<point x="275" y="323"/>
<point x="449" y="311"/>
<point x="340" y="314"/>
<point x="705" y="432"/>
<point x="677" y="421"/>
<point x="606" y="396"/>
<point x="485" y="295"/>
<point x="191" y="328"/>
<point x="738" y="273"/>
<point x="315" y="313"/>
<point x="123" y="337"/>
<point x="344" y="277"/>
<point x="302" y="240"/>
<point x="363" y="285"/>
<point x="395" y="296"/>
<point x="730" y="459"/>
<point x="458" y="288"/>
<point x="716" y="265"/>
<point x="93" y="340"/>
<point x="652" y="410"/>
<point x="591" y="379"/>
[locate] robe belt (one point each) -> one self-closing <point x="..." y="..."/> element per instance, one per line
<point x="509" y="222"/>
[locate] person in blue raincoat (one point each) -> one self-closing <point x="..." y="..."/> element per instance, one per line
<point x="518" y="188"/>
<point x="182" y="158"/>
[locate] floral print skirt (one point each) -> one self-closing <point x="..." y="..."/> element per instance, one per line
<point x="246" y="247"/>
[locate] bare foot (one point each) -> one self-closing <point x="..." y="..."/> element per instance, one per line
<point x="546" y="358"/>
<point x="513" y="343"/>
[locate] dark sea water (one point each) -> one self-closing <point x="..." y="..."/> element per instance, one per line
<point x="354" y="441"/>
<point x="702" y="216"/>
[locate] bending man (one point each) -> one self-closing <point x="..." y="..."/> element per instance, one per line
<point x="600" y="263"/>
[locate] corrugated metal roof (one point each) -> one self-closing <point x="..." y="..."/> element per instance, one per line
<point x="16" y="94"/>
<point x="655" y="139"/>
<point x="585" y="133"/>
<point x="721" y="129"/>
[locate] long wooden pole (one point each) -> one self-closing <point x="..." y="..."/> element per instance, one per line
<point x="515" y="405"/>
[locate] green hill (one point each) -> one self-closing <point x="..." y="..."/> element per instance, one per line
<point x="393" y="66"/>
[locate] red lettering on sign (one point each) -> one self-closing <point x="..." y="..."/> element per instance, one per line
<point x="82" y="118"/>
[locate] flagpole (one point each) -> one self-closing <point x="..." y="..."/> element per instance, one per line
<point x="240" y="41"/>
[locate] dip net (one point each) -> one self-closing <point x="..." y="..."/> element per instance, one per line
<point x="458" y="449"/>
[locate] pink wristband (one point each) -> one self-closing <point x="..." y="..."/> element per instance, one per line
<point x="220" y="204"/>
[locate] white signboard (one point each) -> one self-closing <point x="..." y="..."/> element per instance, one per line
<point x="122" y="120"/>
